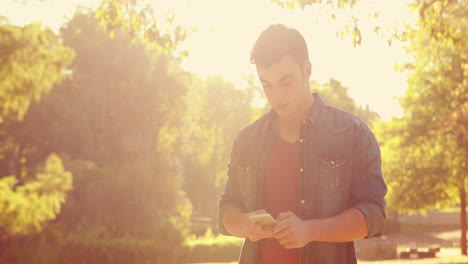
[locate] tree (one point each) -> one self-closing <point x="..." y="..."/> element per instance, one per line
<point x="32" y="60"/>
<point x="27" y="207"/>
<point x="335" y="94"/>
<point x="138" y="20"/>
<point x="430" y="13"/>
<point x="218" y="111"/>
<point x="116" y="122"/>
<point x="417" y="169"/>
<point x="437" y="96"/>
<point x="432" y="134"/>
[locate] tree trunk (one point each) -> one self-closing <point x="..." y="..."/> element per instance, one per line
<point x="18" y="164"/>
<point x="463" y="219"/>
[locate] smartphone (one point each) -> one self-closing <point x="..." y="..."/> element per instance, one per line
<point x="263" y="219"/>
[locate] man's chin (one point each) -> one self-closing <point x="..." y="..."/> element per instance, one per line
<point x="283" y="114"/>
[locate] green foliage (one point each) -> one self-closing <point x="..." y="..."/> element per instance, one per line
<point x="25" y="253"/>
<point x="425" y="152"/>
<point x="352" y="26"/>
<point x="438" y="72"/>
<point x="126" y="98"/>
<point x="32" y="60"/>
<point x="432" y="14"/>
<point x="303" y="3"/>
<point x="211" y="248"/>
<point x="217" y="111"/>
<point x="26" y="208"/>
<point x="210" y="239"/>
<point x="417" y="171"/>
<point x="139" y="22"/>
<point x="116" y="124"/>
<point x="98" y="247"/>
<point x="335" y="94"/>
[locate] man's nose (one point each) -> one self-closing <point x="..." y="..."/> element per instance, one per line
<point x="277" y="94"/>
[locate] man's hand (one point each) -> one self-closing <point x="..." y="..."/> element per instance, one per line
<point x="240" y="225"/>
<point x="254" y="231"/>
<point x="291" y="231"/>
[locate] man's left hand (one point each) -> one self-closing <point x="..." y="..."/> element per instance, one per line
<point x="291" y="231"/>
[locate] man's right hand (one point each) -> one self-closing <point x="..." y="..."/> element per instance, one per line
<point x="240" y="224"/>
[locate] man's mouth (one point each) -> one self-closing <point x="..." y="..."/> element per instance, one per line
<point x="282" y="106"/>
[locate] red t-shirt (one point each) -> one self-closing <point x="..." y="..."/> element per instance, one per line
<point x="281" y="193"/>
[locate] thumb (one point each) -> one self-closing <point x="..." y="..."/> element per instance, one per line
<point x="260" y="211"/>
<point x="284" y="215"/>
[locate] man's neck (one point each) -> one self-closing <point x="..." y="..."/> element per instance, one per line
<point x="289" y="128"/>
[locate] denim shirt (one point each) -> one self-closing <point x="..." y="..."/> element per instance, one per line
<point x="340" y="169"/>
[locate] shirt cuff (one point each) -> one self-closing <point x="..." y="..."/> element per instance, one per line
<point x="374" y="216"/>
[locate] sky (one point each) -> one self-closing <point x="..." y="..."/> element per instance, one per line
<point x="227" y="29"/>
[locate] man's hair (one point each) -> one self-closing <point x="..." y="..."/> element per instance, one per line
<point x="278" y="41"/>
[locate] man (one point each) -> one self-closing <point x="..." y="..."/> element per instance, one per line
<point x="314" y="168"/>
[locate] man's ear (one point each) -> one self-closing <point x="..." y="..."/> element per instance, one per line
<point x="307" y="70"/>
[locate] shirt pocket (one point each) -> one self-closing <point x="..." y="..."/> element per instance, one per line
<point x="331" y="171"/>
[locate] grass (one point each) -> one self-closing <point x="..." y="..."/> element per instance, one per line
<point x="449" y="260"/>
<point x="446" y="256"/>
<point x="454" y="209"/>
<point x="426" y="228"/>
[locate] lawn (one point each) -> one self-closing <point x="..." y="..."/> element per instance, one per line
<point x="446" y="256"/>
<point x="446" y="260"/>
<point x="421" y="236"/>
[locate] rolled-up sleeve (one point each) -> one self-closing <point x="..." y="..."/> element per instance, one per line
<point x="368" y="188"/>
<point x="231" y="196"/>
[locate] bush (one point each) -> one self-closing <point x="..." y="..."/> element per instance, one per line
<point x="96" y="248"/>
<point x="116" y="250"/>
<point x="28" y="253"/>
<point x="210" y="248"/>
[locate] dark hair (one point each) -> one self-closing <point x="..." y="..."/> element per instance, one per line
<point x="278" y="41"/>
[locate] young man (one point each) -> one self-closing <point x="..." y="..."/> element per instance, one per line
<point x="314" y="168"/>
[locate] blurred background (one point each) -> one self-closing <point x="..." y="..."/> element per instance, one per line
<point x="117" y="119"/>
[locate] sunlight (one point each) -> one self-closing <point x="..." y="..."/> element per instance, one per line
<point x="222" y="48"/>
<point x="226" y="30"/>
<point x="134" y="131"/>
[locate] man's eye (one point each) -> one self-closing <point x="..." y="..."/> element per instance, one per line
<point x="286" y="82"/>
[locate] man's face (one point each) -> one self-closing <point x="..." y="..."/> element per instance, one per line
<point x="285" y="84"/>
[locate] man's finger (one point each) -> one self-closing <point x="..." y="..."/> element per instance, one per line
<point x="268" y="230"/>
<point x="260" y="211"/>
<point x="290" y="245"/>
<point x="284" y="215"/>
<point x="256" y="227"/>
<point x="257" y="237"/>
<point x="282" y="234"/>
<point x="280" y="226"/>
<point x="286" y="240"/>
<point x="255" y="231"/>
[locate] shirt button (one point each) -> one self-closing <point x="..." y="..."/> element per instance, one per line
<point x="303" y="122"/>
<point x="302" y="201"/>
<point x="301" y="170"/>
<point x="301" y="140"/>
